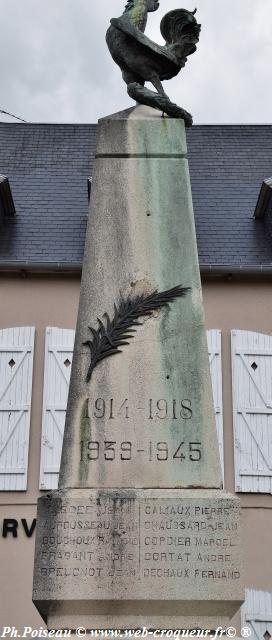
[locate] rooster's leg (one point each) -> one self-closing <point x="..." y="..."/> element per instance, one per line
<point x="155" y="80"/>
<point x="129" y="77"/>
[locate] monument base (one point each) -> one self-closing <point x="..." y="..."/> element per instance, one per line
<point x="126" y="558"/>
<point x="147" y="624"/>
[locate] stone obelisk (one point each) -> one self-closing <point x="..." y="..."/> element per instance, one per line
<point x="140" y="532"/>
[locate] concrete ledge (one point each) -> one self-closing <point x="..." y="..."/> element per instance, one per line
<point x="138" y="557"/>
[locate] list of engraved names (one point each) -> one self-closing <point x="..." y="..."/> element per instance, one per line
<point x="112" y="538"/>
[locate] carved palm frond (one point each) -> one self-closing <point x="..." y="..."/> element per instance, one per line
<point x="113" y="334"/>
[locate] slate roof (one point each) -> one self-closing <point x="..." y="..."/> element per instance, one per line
<point x="228" y="164"/>
<point x="48" y="166"/>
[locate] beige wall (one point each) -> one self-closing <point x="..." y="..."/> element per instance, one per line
<point x="236" y="305"/>
<point x="52" y="301"/>
<point x="39" y="302"/>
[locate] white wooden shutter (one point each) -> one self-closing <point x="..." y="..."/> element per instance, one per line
<point x="16" y="369"/>
<point x="59" y="345"/>
<point x="252" y="410"/>
<point x="256" y="614"/>
<point x="215" y="355"/>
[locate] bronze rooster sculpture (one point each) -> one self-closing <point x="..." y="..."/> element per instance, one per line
<point x="142" y="60"/>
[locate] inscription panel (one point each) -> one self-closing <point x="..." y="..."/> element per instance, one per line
<point x="121" y="545"/>
<point x="150" y="441"/>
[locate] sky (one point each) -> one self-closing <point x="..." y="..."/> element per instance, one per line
<point x="55" y="65"/>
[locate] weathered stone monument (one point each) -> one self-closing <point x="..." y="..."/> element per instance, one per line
<point x="140" y="532"/>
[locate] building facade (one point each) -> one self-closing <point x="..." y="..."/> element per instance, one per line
<point x="45" y="184"/>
